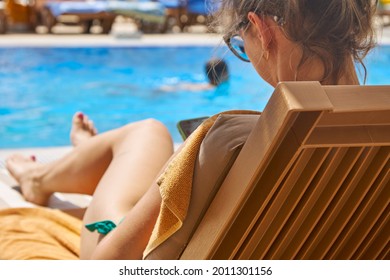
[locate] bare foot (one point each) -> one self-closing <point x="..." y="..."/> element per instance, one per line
<point x="82" y="129"/>
<point x="25" y="170"/>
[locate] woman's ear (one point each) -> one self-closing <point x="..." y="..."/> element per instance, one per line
<point x="263" y="30"/>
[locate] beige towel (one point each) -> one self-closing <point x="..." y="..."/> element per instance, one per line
<point x="176" y="185"/>
<point x="38" y="233"/>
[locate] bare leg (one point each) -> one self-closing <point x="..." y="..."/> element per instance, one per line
<point x="81" y="170"/>
<point x="26" y="170"/>
<point x="133" y="169"/>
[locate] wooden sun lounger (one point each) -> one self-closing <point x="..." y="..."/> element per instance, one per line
<point x="311" y="182"/>
<point x="383" y="13"/>
<point x="83" y="13"/>
<point x="149" y="16"/>
<point x="3" y="19"/>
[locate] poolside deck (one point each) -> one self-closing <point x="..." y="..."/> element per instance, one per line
<point x="124" y="34"/>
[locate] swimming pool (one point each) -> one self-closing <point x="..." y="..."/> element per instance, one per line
<point x="41" y="88"/>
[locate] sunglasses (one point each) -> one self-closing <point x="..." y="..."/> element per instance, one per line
<point x="236" y="44"/>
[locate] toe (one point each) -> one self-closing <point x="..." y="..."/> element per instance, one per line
<point x="18" y="158"/>
<point x="78" y="119"/>
<point x="91" y="128"/>
<point x="15" y="161"/>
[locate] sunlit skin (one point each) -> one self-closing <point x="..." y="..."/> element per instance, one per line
<point x="263" y="35"/>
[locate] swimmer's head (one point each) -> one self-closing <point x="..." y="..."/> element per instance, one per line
<point x="217" y="71"/>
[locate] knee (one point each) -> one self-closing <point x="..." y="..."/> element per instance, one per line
<point x="155" y="126"/>
<point x="148" y="127"/>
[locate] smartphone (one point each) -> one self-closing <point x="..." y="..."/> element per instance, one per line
<point x="186" y="127"/>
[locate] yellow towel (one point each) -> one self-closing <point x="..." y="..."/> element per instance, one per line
<point x="38" y="233"/>
<point x="176" y="184"/>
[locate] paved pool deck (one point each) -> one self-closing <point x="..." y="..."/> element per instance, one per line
<point x="125" y="33"/>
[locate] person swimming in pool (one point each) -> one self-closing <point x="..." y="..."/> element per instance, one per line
<point x="293" y="40"/>
<point x="217" y="72"/>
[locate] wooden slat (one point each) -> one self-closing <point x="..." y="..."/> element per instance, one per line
<point x="299" y="217"/>
<point x="305" y="178"/>
<point x="258" y="199"/>
<point x="349" y="136"/>
<point x="370" y="237"/>
<point x="287" y="152"/>
<point x="358" y="98"/>
<point x="365" y="118"/>
<point x="324" y="235"/>
<point x="315" y="204"/>
<point x="373" y="202"/>
<point x="264" y="238"/>
<point x="347" y="201"/>
<point x="380" y="240"/>
<point x="377" y="246"/>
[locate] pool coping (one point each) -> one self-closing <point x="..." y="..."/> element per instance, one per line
<point x="111" y="40"/>
<point x="125" y="40"/>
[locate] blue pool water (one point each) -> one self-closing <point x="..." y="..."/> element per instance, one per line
<point x="41" y="88"/>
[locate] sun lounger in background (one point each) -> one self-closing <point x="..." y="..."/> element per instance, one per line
<point x="3" y="18"/>
<point x="149" y="16"/>
<point x="19" y="16"/>
<point x="383" y="12"/>
<point x="199" y="12"/>
<point x="76" y="12"/>
<point x="184" y="13"/>
<point x="175" y="10"/>
<point x="311" y="182"/>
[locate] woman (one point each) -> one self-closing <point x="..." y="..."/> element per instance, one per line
<point x="284" y="40"/>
